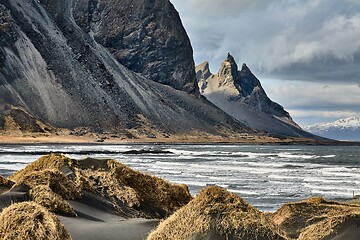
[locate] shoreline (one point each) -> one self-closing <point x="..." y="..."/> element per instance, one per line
<point x="85" y="140"/>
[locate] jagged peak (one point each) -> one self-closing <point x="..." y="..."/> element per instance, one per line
<point x="244" y="67"/>
<point x="204" y="66"/>
<point x="229" y="69"/>
<point x="203" y="71"/>
<point x="230" y="59"/>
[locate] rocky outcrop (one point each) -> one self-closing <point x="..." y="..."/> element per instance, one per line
<point x="14" y="119"/>
<point x="145" y="36"/>
<point x="57" y="72"/>
<point x="240" y="94"/>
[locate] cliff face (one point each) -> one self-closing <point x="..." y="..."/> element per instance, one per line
<point x="146" y="36"/>
<point x="240" y="94"/>
<point x="56" y="71"/>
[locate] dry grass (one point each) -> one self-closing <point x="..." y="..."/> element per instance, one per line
<point x="49" y="162"/>
<point x="102" y="182"/>
<point x="5" y="184"/>
<point x="150" y="196"/>
<point x="55" y="180"/>
<point x="44" y="196"/>
<point x="31" y="221"/>
<point x="157" y="197"/>
<point x="217" y="214"/>
<point x="50" y="189"/>
<point x="314" y="218"/>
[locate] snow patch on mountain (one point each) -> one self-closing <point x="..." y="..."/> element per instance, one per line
<point x="342" y="129"/>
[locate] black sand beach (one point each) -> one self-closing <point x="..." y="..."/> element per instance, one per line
<point x="102" y="199"/>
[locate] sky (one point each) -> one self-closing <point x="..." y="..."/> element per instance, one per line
<point x="306" y="53"/>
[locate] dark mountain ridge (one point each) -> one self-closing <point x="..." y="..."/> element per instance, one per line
<point x="56" y="71"/>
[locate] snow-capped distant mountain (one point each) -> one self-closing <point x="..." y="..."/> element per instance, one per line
<point x="342" y="129"/>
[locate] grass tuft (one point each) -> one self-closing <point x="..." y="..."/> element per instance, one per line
<point x="217" y="214"/>
<point x="147" y="196"/>
<point x="29" y="220"/>
<point x="314" y="218"/>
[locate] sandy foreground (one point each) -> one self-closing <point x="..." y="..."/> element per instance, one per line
<point x="104" y="199"/>
<point x="96" y="220"/>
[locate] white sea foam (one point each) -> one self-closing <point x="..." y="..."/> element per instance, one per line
<point x="300" y="156"/>
<point x="244" y="192"/>
<point x="13" y="167"/>
<point x="284" y="177"/>
<point x="331" y="188"/>
<point x="265" y="175"/>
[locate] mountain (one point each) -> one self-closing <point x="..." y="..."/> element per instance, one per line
<point x="240" y="94"/>
<point x="145" y="36"/>
<point x="59" y="63"/>
<point x="342" y="129"/>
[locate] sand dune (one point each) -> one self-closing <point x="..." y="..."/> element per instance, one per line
<point x="317" y="218"/>
<point x="104" y="199"/>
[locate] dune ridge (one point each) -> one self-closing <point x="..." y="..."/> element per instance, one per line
<point x="62" y="178"/>
<point x="316" y="218"/>
<point x="105" y="199"/>
<point x="217" y="214"/>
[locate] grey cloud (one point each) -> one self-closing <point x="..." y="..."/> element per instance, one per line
<point x="313" y="40"/>
<point x="220" y="8"/>
<point x="311" y="102"/>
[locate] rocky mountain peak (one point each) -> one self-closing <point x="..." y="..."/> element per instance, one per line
<point x="244" y="67"/>
<point x="240" y="94"/>
<point x="228" y="71"/>
<point x="203" y="71"/>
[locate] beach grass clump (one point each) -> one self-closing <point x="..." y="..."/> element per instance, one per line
<point x="328" y="226"/>
<point x="104" y="183"/>
<point x="151" y="196"/>
<point x="217" y="214"/>
<point x="54" y="178"/>
<point x="157" y="198"/>
<point x="29" y="220"/>
<point x="47" y="198"/>
<point x="5" y="184"/>
<point x="54" y="162"/>
<point x="50" y="189"/>
<point x="314" y="218"/>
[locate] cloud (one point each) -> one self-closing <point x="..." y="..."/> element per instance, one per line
<point x="314" y="40"/>
<point x="219" y="8"/>
<point x="309" y="102"/>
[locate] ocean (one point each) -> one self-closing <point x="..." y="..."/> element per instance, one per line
<point x="266" y="176"/>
